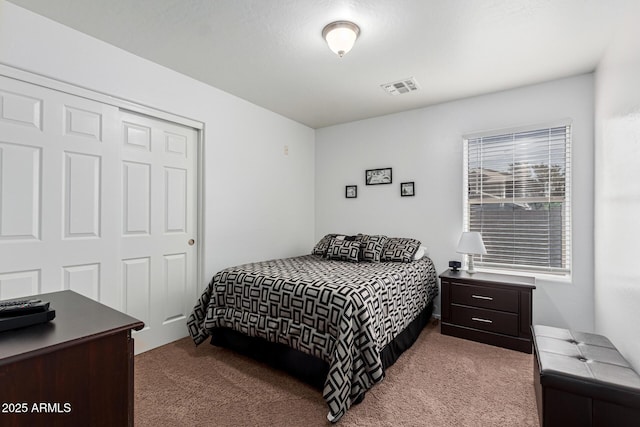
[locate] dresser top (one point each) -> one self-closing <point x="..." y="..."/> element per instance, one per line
<point x="525" y="281"/>
<point x="78" y="319"/>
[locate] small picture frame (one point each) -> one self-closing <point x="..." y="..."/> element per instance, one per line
<point x="351" y="191"/>
<point x="407" y="189"/>
<point x="378" y="176"/>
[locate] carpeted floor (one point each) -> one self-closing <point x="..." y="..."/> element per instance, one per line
<point x="440" y="381"/>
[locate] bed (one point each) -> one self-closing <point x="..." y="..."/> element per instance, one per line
<point x="342" y="305"/>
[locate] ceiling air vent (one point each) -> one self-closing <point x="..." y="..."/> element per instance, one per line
<point x="401" y="86"/>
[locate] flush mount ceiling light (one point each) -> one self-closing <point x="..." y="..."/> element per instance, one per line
<point x="340" y="36"/>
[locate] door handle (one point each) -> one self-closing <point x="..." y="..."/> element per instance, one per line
<point x="191" y="242"/>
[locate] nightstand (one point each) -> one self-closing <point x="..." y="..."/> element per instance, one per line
<point x="489" y="308"/>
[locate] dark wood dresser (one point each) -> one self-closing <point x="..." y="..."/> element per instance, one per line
<point x="76" y="370"/>
<point x="490" y="308"/>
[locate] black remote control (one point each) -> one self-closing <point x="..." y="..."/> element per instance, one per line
<point x="22" y="307"/>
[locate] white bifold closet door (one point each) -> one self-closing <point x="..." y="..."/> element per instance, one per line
<point x="99" y="201"/>
<point x="158" y="207"/>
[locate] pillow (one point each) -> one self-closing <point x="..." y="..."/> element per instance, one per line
<point x="400" y="249"/>
<point x="422" y="251"/>
<point x="323" y="245"/>
<point x="357" y="237"/>
<point x="344" y="250"/>
<point x="371" y="248"/>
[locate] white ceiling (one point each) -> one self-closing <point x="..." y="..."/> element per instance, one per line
<point x="271" y="52"/>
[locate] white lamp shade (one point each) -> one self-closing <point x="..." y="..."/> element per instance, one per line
<point x="341" y="36"/>
<point x="471" y="243"/>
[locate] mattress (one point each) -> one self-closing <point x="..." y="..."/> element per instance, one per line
<point x="343" y="313"/>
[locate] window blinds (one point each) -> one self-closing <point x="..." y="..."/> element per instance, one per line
<point x="518" y="190"/>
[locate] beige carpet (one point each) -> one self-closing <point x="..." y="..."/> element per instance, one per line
<point x="440" y="381"/>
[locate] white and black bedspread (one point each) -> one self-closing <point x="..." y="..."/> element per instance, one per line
<point x="343" y="313"/>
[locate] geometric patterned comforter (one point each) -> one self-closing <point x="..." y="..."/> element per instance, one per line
<point x="343" y="313"/>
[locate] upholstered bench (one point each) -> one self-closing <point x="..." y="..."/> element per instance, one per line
<point x="582" y="380"/>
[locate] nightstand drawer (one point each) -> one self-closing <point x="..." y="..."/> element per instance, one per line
<point x="486" y="320"/>
<point x="485" y="297"/>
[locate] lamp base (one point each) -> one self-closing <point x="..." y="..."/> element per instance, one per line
<point x="470" y="268"/>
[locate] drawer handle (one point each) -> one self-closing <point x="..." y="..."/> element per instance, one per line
<point x="482" y="297"/>
<point x="477" y="319"/>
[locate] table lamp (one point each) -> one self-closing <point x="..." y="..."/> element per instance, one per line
<point x="471" y="243"/>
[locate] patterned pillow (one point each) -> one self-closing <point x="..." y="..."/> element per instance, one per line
<point x="323" y="245"/>
<point x="344" y="250"/>
<point x="400" y="249"/>
<point x="371" y="248"/>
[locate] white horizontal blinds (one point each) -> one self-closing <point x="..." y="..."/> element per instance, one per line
<point x="518" y="197"/>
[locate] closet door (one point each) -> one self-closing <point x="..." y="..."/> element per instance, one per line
<point x="159" y="218"/>
<point x="57" y="229"/>
<point x="98" y="201"/>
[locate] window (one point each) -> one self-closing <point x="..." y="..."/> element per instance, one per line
<point x="518" y="195"/>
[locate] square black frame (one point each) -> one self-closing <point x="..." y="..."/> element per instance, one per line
<point x="407" y="189"/>
<point x="378" y="176"/>
<point x="351" y="191"/>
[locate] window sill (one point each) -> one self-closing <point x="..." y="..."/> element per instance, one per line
<point x="559" y="278"/>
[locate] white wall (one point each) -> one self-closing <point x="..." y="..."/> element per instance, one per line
<point x="258" y="202"/>
<point x="617" y="196"/>
<point x="425" y="146"/>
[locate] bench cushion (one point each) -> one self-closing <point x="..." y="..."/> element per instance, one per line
<point x="585" y="364"/>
